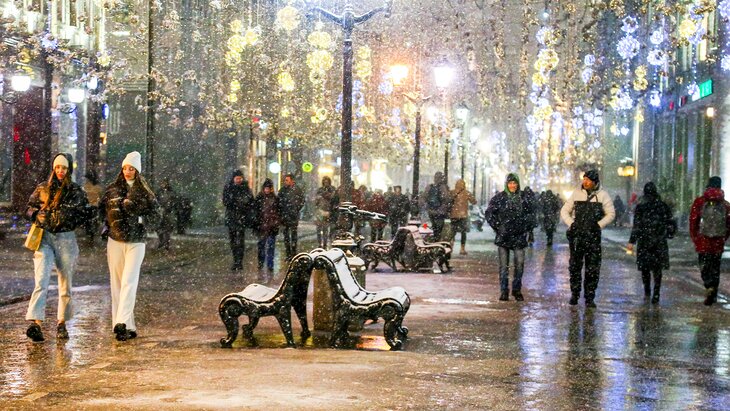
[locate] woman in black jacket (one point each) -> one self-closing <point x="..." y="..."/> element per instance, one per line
<point x="58" y="206"/>
<point x="652" y="220"/>
<point x="125" y="208"/>
<point x="511" y="216"/>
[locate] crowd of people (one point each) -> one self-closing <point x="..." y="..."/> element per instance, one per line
<point x="128" y="208"/>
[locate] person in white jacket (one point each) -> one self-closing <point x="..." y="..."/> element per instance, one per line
<point x="587" y="212"/>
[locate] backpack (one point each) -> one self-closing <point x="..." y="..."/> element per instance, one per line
<point x="433" y="199"/>
<point x="712" y="220"/>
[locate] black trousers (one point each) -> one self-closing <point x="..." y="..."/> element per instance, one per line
<point x="437" y="225"/>
<point x="585" y="249"/>
<point x="290" y="238"/>
<point x="236" y="237"/>
<point x="710" y="269"/>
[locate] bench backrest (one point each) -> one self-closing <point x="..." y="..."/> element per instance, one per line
<point x="335" y="258"/>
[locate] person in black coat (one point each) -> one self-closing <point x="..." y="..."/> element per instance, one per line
<point x="238" y="200"/>
<point x="652" y="223"/>
<point x="511" y="215"/>
<point x="398" y="207"/>
<point x="291" y="198"/>
<point x="550" y="205"/>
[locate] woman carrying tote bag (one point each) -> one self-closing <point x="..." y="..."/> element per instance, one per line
<point x="57" y="206"/>
<point x="124" y="208"/>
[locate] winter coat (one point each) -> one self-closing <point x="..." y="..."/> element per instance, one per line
<point x="323" y="202"/>
<point x="238" y="201"/>
<point x="568" y="212"/>
<point x="708" y="245"/>
<point x="651" y="221"/>
<point x="460" y="200"/>
<point x="64" y="215"/>
<point x="292" y="202"/>
<point x="93" y="192"/>
<point x="377" y="204"/>
<point x="167" y="199"/>
<point x="437" y="200"/>
<point x="550" y="205"/>
<point x="126" y="222"/>
<point x="398" y="207"/>
<point x="510" y="216"/>
<point x="268" y="214"/>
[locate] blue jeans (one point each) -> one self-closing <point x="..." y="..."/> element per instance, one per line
<point x="61" y="250"/>
<point x="266" y="251"/>
<point x="519" y="265"/>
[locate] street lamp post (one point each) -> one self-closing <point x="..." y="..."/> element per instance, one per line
<point x="462" y="113"/>
<point x="443" y="74"/>
<point x="348" y="20"/>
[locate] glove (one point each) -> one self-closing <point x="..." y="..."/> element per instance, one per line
<point x="40" y="217"/>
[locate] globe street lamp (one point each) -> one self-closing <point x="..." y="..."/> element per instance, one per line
<point x="348" y="20"/>
<point x="627" y="170"/>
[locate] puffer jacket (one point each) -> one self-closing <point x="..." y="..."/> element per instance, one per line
<point x="126" y="223"/>
<point x="510" y="217"/>
<point x="68" y="213"/>
<point x="708" y="245"/>
<point x="461" y="198"/>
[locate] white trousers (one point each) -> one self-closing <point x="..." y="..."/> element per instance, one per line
<point x="125" y="260"/>
<point x="61" y="250"/>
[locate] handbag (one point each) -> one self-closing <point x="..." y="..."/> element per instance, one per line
<point x="33" y="240"/>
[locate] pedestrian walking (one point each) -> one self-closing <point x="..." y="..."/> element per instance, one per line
<point x="268" y="210"/>
<point x="652" y="226"/>
<point x="460" y="200"/>
<point x="126" y="207"/>
<point x="377" y="204"/>
<point x="620" y="208"/>
<point x="550" y="205"/>
<point x="93" y="193"/>
<point x="437" y="202"/>
<point x="587" y="212"/>
<point x="291" y="199"/>
<point x="167" y="199"/>
<point x="323" y="209"/>
<point x="57" y="206"/>
<point x="398" y="207"/>
<point x="510" y="216"/>
<point x="709" y="228"/>
<point x="531" y="201"/>
<point x="240" y="214"/>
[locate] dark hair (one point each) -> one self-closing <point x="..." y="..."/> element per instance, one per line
<point x="290" y="175"/>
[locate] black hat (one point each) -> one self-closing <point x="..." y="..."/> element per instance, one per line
<point x="650" y="189"/>
<point x="592" y="175"/>
<point x="268" y="183"/>
<point x="714" y="182"/>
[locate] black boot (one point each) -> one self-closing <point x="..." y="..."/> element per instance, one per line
<point x="711" y="295"/>
<point x="504" y="295"/>
<point x="574" y="299"/>
<point x="646" y="278"/>
<point x="657" y="286"/>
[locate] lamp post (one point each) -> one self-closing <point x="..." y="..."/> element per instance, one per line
<point x="474" y="134"/>
<point x="348" y="20"/>
<point x="443" y="74"/>
<point x="627" y="170"/>
<point x="462" y="113"/>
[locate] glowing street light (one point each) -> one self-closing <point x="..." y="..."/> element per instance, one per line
<point x="443" y="74"/>
<point x="398" y="73"/>
<point x="76" y="95"/>
<point x="20" y="82"/>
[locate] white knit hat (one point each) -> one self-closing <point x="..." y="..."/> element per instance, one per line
<point x="60" y="160"/>
<point x="133" y="159"/>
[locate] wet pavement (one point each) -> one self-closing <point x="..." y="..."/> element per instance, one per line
<point x="466" y="350"/>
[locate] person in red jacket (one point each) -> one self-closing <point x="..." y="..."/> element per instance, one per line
<point x="709" y="227"/>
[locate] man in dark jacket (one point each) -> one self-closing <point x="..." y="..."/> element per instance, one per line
<point x="291" y="199"/>
<point x="398" y="207"/>
<point x="238" y="200"/>
<point x="550" y="205"/>
<point x="510" y="214"/>
<point x="437" y="201"/>
<point x="586" y="213"/>
<point x="709" y="227"/>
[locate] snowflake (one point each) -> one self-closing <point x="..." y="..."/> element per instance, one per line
<point x="586" y="75"/>
<point x="590" y="59"/>
<point x="724" y="8"/>
<point x="725" y="63"/>
<point x="655" y="99"/>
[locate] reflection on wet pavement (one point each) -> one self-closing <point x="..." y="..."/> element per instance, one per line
<point x="466" y="350"/>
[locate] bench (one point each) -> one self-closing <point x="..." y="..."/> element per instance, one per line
<point x="420" y="255"/>
<point x="351" y="301"/>
<point x="257" y="301"/>
<point x="389" y="252"/>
